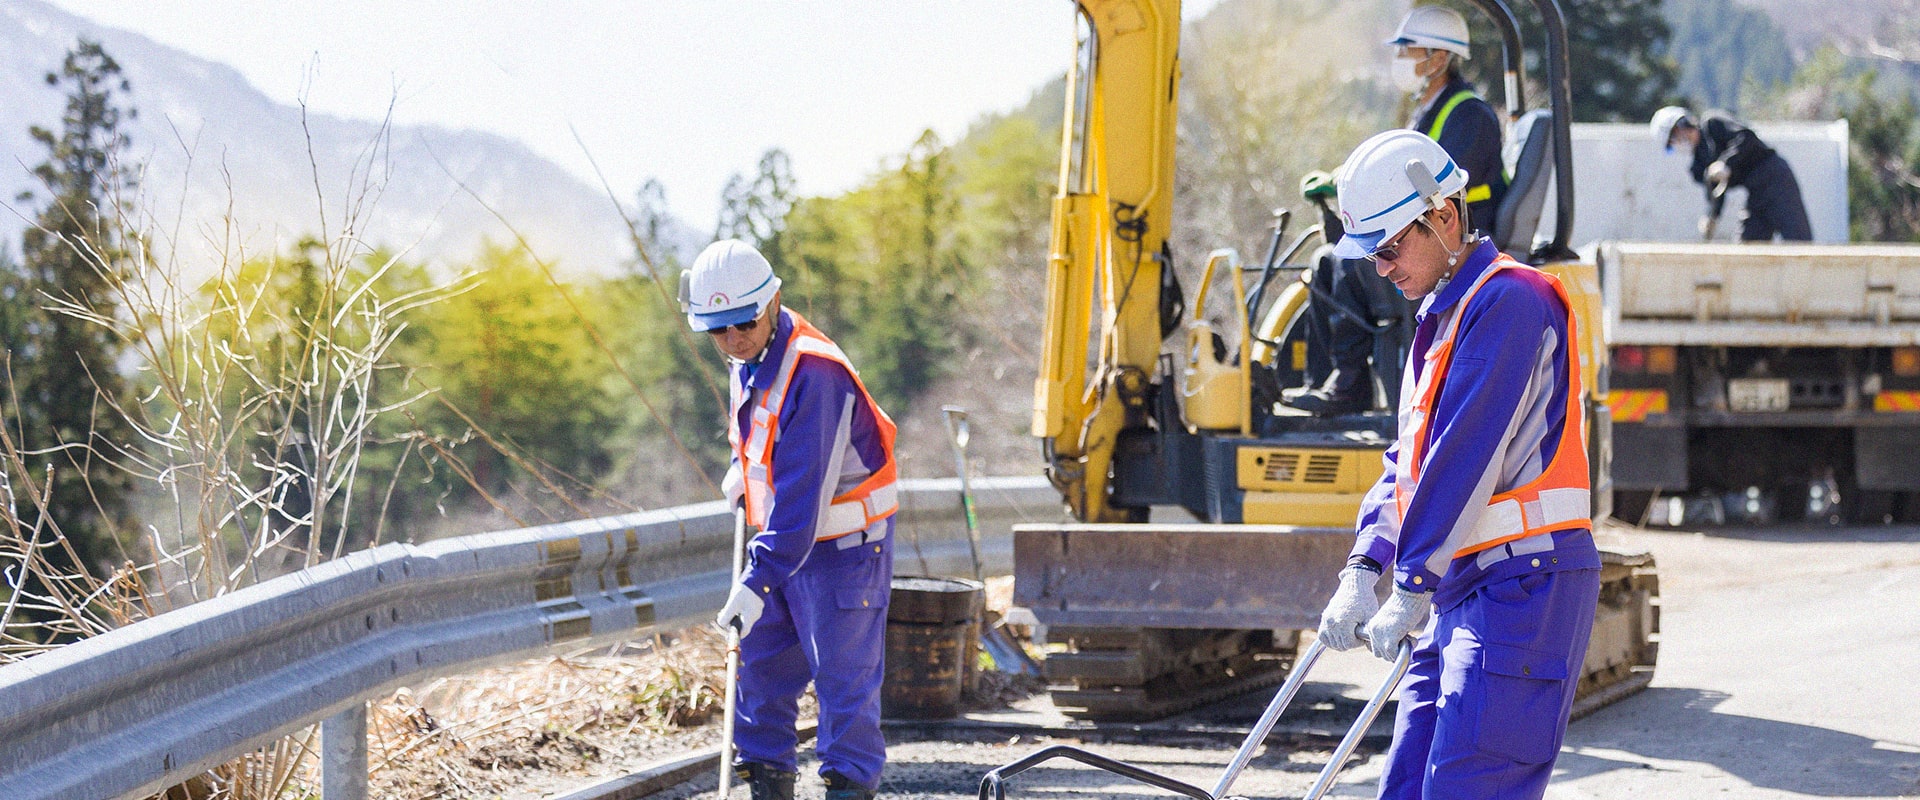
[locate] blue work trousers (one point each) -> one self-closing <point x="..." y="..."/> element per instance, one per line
<point x="827" y="624"/>
<point x="1484" y="705"/>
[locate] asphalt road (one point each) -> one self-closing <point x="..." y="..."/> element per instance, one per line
<point x="1787" y="670"/>
<point x="1789" y="667"/>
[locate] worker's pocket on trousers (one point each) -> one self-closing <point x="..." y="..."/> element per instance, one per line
<point x="857" y="597"/>
<point x="1520" y="719"/>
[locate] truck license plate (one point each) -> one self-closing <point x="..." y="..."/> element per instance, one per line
<point x="1757" y="394"/>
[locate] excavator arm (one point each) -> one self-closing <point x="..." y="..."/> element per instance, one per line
<point x="1111" y="299"/>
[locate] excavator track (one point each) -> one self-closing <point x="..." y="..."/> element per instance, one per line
<point x="1133" y="674"/>
<point x="1626" y="632"/>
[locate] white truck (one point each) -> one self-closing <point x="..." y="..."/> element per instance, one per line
<point x="1751" y="381"/>
<point x="1766" y="380"/>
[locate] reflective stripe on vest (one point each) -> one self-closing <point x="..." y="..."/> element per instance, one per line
<point x="1559" y="499"/>
<point x="1478" y="192"/>
<point x="874" y="499"/>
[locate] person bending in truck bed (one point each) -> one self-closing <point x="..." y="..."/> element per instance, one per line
<point x="1481" y="517"/>
<point x="1728" y="154"/>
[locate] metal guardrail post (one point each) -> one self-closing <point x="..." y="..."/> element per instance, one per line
<point x="343" y="754"/>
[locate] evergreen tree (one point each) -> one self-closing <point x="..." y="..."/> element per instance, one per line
<point x="680" y="370"/>
<point x="1883" y="175"/>
<point x="1883" y="161"/>
<point x="65" y="375"/>
<point x="1724" y="51"/>
<point x="1619" y="69"/>
<point x="754" y="210"/>
<point x="902" y="241"/>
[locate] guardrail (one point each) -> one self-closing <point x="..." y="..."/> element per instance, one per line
<point x="147" y="706"/>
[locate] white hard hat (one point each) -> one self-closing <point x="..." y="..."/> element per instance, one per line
<point x="1387" y="183"/>
<point x="730" y="283"/>
<point x="1435" y="28"/>
<point x="1664" y="122"/>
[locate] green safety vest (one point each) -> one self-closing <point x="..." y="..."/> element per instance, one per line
<point x="1479" y="191"/>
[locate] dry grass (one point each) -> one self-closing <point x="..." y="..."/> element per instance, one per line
<point x="491" y="732"/>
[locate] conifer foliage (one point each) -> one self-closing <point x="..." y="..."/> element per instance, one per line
<point x="65" y="381"/>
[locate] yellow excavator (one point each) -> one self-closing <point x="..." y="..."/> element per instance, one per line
<point x="1146" y="410"/>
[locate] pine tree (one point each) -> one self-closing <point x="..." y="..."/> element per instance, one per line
<point x="1618" y="67"/>
<point x="64" y="374"/>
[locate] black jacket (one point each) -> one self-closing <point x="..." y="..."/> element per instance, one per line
<point x="1726" y="140"/>
<point x="1471" y="135"/>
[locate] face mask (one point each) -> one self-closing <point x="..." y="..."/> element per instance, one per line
<point x="1406" y="75"/>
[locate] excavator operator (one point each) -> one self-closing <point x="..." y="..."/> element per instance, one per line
<point x="1428" y="49"/>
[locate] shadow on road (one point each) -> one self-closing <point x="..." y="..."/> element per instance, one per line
<point x="1674" y="724"/>
<point x="1798" y="533"/>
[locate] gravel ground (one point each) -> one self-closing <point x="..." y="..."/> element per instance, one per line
<point x="952" y="769"/>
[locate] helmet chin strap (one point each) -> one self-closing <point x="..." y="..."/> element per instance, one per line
<point x="1453" y="256"/>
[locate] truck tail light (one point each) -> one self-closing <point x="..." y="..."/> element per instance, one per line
<point x="1662" y="360"/>
<point x="1630" y="359"/>
<point x="1906" y="361"/>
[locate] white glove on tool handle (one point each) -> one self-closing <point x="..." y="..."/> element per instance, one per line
<point x="1352" y="605"/>
<point x="743" y="608"/>
<point x="1404" y="613"/>
<point x="734" y="486"/>
<point x="1718" y="175"/>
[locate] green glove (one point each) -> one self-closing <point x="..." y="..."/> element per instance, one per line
<point x="1317" y="184"/>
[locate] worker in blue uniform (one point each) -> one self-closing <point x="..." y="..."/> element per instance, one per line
<point x="1481" y="519"/>
<point x="813" y="468"/>
<point x="1728" y="154"/>
<point x="1428" y="48"/>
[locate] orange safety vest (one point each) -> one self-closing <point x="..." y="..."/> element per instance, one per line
<point x="1559" y="499"/>
<point x="874" y="499"/>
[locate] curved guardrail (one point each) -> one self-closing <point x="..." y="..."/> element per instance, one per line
<point x="146" y="706"/>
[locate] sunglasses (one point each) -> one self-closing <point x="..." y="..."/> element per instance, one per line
<point x="742" y="327"/>
<point x="1391" y="250"/>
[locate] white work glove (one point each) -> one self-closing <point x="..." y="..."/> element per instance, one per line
<point x="1718" y="174"/>
<point x="1352" y="605"/>
<point x="1404" y="613"/>
<point x="734" y="486"/>
<point x="743" y="605"/>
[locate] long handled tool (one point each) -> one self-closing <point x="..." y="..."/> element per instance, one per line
<point x="992" y="787"/>
<point x="957" y="428"/>
<point x="1712" y="221"/>
<point x="733" y="659"/>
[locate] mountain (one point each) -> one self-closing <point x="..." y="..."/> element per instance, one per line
<point x="211" y="142"/>
<point x="1888" y="26"/>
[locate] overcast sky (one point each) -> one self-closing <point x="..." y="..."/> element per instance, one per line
<point x="689" y="91"/>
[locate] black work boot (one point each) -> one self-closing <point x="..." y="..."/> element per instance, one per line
<point x="1341" y="394"/>
<point x="765" y="782"/>
<point x="840" y="787"/>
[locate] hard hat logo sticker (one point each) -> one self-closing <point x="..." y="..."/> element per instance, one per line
<point x="1346" y="217"/>
<point x="718" y="299"/>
